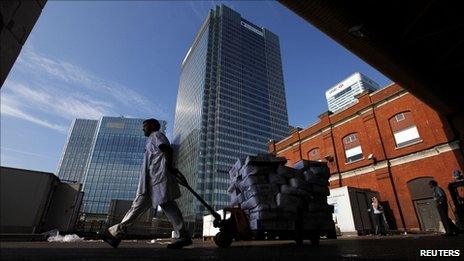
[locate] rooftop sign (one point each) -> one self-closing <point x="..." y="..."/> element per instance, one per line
<point x="251" y="28"/>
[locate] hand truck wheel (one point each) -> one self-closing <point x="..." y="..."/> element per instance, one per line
<point x="223" y="239"/>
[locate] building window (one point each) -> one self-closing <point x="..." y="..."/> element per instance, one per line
<point x="353" y="154"/>
<point x="406" y="136"/>
<point x="353" y="150"/>
<point x="404" y="129"/>
<point x="350" y="138"/>
<point x="314" y="154"/>
<point x="399" y="117"/>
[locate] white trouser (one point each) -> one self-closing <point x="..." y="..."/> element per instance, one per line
<point x="140" y="204"/>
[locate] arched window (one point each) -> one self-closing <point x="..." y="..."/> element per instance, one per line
<point x="353" y="151"/>
<point x="404" y="129"/>
<point x="314" y="154"/>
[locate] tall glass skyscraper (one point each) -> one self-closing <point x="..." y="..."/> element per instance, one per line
<point x="77" y="149"/>
<point x="230" y="102"/>
<point x="114" y="161"/>
<point x="343" y="94"/>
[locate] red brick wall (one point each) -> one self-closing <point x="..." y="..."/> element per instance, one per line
<point x="369" y="119"/>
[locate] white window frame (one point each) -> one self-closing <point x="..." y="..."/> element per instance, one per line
<point x="313" y="151"/>
<point x="350" y="138"/>
<point x="402" y="115"/>
<point x="412" y="132"/>
<point x="353" y="154"/>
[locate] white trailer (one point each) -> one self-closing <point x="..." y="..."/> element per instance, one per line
<point x="351" y="209"/>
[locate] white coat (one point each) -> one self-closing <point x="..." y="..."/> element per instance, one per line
<point x="155" y="179"/>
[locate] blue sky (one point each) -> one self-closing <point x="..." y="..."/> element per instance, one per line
<point x="88" y="59"/>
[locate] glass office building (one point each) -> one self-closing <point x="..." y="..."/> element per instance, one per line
<point x="114" y="161"/>
<point x="77" y="150"/>
<point x="230" y="103"/>
<point x="343" y="94"/>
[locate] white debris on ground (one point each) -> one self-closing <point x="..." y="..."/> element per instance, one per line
<point x="277" y="197"/>
<point x="65" y="238"/>
<point x="161" y="241"/>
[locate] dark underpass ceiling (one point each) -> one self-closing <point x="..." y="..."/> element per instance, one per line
<point x="418" y="44"/>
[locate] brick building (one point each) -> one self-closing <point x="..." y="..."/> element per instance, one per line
<point x="389" y="142"/>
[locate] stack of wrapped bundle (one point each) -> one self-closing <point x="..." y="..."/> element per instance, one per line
<point x="314" y="179"/>
<point x="279" y="198"/>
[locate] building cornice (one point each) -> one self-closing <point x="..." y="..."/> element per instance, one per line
<point x="420" y="155"/>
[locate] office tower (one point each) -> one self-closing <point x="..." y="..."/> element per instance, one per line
<point x="77" y="150"/>
<point x="230" y="103"/>
<point x="114" y="159"/>
<point x="343" y="93"/>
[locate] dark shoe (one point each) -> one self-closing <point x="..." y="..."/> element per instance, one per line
<point x="180" y="243"/>
<point x="111" y="240"/>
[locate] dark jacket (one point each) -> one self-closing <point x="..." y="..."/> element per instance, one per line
<point x="439" y="195"/>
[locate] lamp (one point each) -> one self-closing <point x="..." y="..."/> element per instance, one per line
<point x="357" y="31"/>
<point x="329" y="158"/>
<point x="372" y="157"/>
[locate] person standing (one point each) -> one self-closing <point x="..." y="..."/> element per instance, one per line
<point x="157" y="187"/>
<point x="456" y="189"/>
<point x="379" y="219"/>
<point x="442" y="206"/>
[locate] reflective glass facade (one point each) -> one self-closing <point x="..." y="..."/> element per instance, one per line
<point x="76" y="152"/>
<point x="114" y="163"/>
<point x="343" y="94"/>
<point x="231" y="101"/>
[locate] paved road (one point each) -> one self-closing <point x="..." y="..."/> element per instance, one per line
<point x="356" y="248"/>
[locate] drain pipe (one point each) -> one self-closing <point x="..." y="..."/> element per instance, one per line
<point x="388" y="167"/>
<point x="340" y="184"/>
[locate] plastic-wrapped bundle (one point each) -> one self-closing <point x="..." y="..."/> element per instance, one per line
<point x="274" y="196"/>
<point x="286" y="189"/>
<point x="285" y="215"/>
<point x="262" y="207"/>
<point x="258" y="200"/>
<point x="248" y="170"/>
<point x="299" y="183"/>
<point x="288" y="202"/>
<point x="320" y="207"/>
<point x="316" y="168"/>
<point x="318" y="216"/>
<point x="259" y="224"/>
<point x="252" y="180"/>
<point x="236" y="199"/>
<point x="261" y="189"/>
<point x="311" y="178"/>
<point x="234" y="171"/>
<point x="265" y="214"/>
<point x="287" y="172"/>
<point x="322" y="190"/>
<point x="264" y="159"/>
<point x="232" y="187"/>
<point x="277" y="179"/>
<point x="318" y="198"/>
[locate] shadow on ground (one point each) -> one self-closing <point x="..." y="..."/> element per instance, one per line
<point x="386" y="248"/>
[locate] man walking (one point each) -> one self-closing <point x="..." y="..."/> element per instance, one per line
<point x="157" y="186"/>
<point x="442" y="205"/>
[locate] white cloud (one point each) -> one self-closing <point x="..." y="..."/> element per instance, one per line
<point x="20" y="97"/>
<point x="14" y="111"/>
<point x="76" y="76"/>
<point x="61" y="89"/>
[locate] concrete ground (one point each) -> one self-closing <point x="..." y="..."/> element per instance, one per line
<point x="396" y="247"/>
